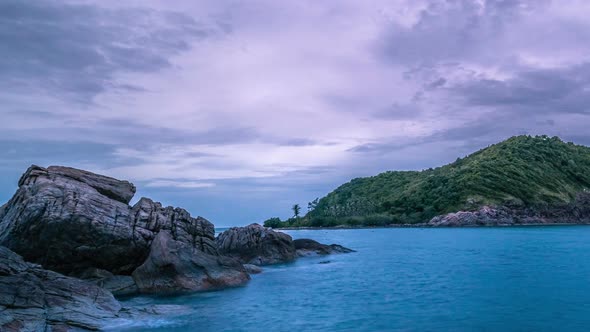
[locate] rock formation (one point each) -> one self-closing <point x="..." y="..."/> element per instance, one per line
<point x="307" y="247"/>
<point x="79" y="223"/>
<point x="119" y="285"/>
<point x="485" y="216"/>
<point x="253" y="269"/>
<point x="175" y="266"/>
<point x="257" y="245"/>
<point x="34" y="299"/>
<point x="509" y="214"/>
<point x="69" y="220"/>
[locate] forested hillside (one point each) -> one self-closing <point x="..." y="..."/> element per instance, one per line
<point x="520" y="171"/>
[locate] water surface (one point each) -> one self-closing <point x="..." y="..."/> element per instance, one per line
<point x="406" y="279"/>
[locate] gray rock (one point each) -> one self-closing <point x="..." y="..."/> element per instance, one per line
<point x="308" y="247"/>
<point x="34" y="299"/>
<point x="484" y="216"/>
<point x="252" y="269"/>
<point x="149" y="217"/>
<point x="69" y="220"/>
<point x="93" y="273"/>
<point x="118" y="190"/>
<point x="511" y="213"/>
<point x="174" y="266"/>
<point x="119" y="285"/>
<point x="255" y="244"/>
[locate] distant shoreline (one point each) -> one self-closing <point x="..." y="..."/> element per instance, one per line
<point x="429" y="226"/>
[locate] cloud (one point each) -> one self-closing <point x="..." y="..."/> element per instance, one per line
<point x="260" y="104"/>
<point x="77" y="50"/>
<point x="180" y="184"/>
<point x="457" y="29"/>
<point x="532" y="91"/>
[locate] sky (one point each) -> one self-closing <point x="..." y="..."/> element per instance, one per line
<point x="236" y="110"/>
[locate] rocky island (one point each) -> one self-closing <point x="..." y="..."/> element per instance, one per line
<point x="69" y="240"/>
<point x="524" y="180"/>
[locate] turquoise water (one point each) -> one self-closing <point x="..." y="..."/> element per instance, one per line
<point x="406" y="279"/>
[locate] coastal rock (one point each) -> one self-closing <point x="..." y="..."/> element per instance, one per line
<point x="119" y="285"/>
<point x="578" y="212"/>
<point x="257" y="245"/>
<point x="484" y="216"/>
<point x="149" y="217"/>
<point x="69" y="220"/>
<point x="121" y="191"/>
<point x="308" y="247"/>
<point x="252" y="269"/>
<point x="34" y="299"/>
<point x="174" y="266"/>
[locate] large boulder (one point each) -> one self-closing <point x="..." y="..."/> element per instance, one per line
<point x="69" y="220"/>
<point x="255" y="244"/>
<point x="34" y="299"/>
<point x="174" y="266"/>
<point x="308" y="247"/>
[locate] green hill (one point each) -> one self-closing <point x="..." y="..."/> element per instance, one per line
<point x="522" y="171"/>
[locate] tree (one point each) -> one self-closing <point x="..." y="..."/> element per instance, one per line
<point x="312" y="205"/>
<point x="273" y="222"/>
<point x="296" y="209"/>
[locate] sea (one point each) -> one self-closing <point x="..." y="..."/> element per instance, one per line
<point x="403" y="279"/>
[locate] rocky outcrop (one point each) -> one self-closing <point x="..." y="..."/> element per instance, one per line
<point x="119" y="285"/>
<point x="149" y="217"/>
<point x="79" y="223"/>
<point x="308" y="247"/>
<point x="34" y="299"/>
<point x="255" y="244"/>
<point x="252" y="269"/>
<point x="485" y="216"/>
<point x="69" y="220"/>
<point x="258" y="245"/>
<point x="175" y="266"/>
<point x="576" y="212"/>
<point x="121" y="191"/>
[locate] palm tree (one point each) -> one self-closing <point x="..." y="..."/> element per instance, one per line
<point x="296" y="209"/>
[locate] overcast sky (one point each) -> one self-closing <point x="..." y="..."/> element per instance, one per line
<point x="236" y="110"/>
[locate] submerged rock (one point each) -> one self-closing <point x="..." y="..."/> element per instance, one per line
<point x="308" y="247"/>
<point x="34" y="299"/>
<point x="174" y="266"/>
<point x="69" y="220"/>
<point x="255" y="244"/>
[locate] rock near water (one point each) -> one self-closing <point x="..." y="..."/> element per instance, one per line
<point x="69" y="220"/>
<point x="34" y="299"/>
<point x="308" y="247"/>
<point x="79" y="223"/>
<point x="175" y="266"/>
<point x="119" y="285"/>
<point x="578" y="211"/>
<point x="485" y="216"/>
<point x="257" y="245"/>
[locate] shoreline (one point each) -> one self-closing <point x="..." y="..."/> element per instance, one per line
<point x="430" y="226"/>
